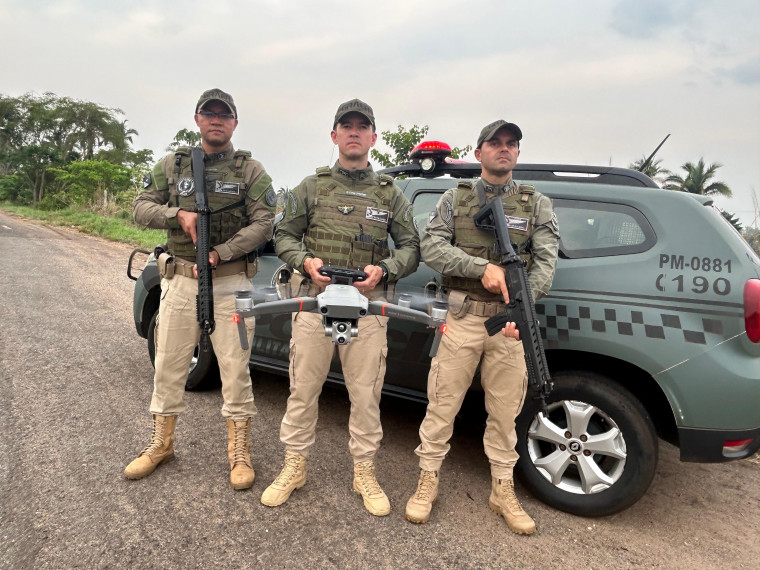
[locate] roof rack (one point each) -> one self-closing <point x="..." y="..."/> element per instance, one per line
<point x="535" y="172"/>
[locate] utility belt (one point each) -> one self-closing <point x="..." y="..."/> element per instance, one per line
<point x="461" y="304"/>
<point x="169" y="266"/>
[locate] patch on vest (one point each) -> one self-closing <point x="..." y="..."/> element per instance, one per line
<point x="360" y="194"/>
<point x="227" y="187"/>
<point x="271" y="197"/>
<point x="147" y="180"/>
<point x="555" y="223"/>
<point x="377" y="215"/>
<point x="185" y="187"/>
<point x="514" y="223"/>
<point x="345" y="209"/>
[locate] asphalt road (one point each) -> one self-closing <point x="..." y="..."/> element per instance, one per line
<point x="75" y="384"/>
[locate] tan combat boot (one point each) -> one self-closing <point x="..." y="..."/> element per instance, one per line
<point x="159" y="450"/>
<point x="421" y="503"/>
<point x="238" y="452"/>
<point x="292" y="477"/>
<point x="375" y="500"/>
<point x="503" y="501"/>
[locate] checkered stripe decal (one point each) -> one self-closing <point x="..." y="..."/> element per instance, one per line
<point x="558" y="321"/>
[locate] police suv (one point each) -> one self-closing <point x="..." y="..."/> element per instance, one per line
<point x="651" y="330"/>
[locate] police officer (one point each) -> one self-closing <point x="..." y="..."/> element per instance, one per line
<point x="476" y="287"/>
<point x="241" y="196"/>
<point x="342" y="216"/>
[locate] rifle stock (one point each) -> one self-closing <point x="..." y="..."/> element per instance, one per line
<point x="521" y="309"/>
<point x="205" y="297"/>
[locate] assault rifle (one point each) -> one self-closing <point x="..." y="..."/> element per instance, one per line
<point x="205" y="298"/>
<point x="341" y="306"/>
<point x="520" y="309"/>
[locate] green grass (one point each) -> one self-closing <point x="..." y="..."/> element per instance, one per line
<point x="113" y="228"/>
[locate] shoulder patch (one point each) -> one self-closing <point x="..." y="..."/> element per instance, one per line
<point x="292" y="202"/>
<point x="147" y="180"/>
<point x="408" y="213"/>
<point x="448" y="212"/>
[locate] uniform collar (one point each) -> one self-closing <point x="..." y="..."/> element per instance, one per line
<point x="498" y="189"/>
<point x="357" y="175"/>
<point x="224" y="154"/>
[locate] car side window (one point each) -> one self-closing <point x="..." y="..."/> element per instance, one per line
<point x="597" y="229"/>
<point x="424" y="204"/>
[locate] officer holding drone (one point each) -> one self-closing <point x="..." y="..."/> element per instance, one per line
<point x="342" y="216"/>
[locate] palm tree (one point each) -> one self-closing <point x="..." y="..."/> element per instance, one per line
<point x="697" y="180"/>
<point x="652" y="169"/>
<point x="733" y="220"/>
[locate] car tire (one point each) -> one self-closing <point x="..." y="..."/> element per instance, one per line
<point x="204" y="370"/>
<point x="604" y="468"/>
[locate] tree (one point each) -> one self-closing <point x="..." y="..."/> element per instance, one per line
<point x="41" y="134"/>
<point x="653" y="169"/>
<point x="282" y="195"/>
<point x="184" y="137"/>
<point x="93" y="183"/>
<point x="697" y="180"/>
<point x="403" y="141"/>
<point x="752" y="235"/>
<point x="733" y="220"/>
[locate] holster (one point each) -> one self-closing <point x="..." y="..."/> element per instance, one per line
<point x="283" y="282"/>
<point x="166" y="265"/>
<point x="458" y="303"/>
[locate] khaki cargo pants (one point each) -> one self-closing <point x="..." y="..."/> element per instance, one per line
<point x="177" y="335"/>
<point x="363" y="363"/>
<point x="504" y="378"/>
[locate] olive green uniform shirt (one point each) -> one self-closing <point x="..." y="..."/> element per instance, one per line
<point x="152" y="207"/>
<point x="440" y="253"/>
<point x="298" y="210"/>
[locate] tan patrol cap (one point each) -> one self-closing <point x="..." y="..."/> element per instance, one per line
<point x="355" y="106"/>
<point x="217" y="95"/>
<point x="489" y="131"/>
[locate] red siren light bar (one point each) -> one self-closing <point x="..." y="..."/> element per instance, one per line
<point x="430" y="148"/>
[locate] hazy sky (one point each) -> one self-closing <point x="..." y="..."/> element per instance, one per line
<point x="588" y="81"/>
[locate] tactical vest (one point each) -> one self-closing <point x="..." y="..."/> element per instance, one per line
<point x="226" y="188"/>
<point x="519" y="208"/>
<point x="346" y="229"/>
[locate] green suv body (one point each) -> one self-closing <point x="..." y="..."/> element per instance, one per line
<point x="648" y="331"/>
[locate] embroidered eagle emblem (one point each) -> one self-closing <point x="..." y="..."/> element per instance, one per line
<point x="346" y="209"/>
